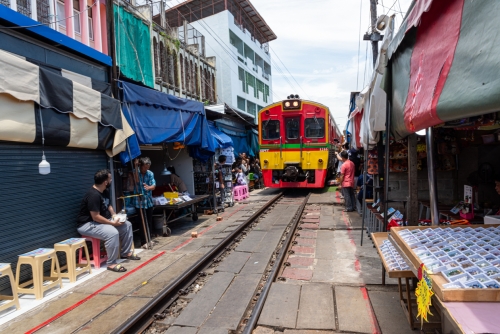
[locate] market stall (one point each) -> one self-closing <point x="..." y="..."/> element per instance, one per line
<point x="171" y="131"/>
<point x="441" y="79"/>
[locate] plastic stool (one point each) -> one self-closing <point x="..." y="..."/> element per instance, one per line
<point x="36" y="259"/>
<point x="69" y="247"/>
<point x="240" y="192"/>
<point x="5" y="269"/>
<point x="96" y="253"/>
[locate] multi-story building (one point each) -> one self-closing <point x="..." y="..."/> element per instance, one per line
<point x="237" y="35"/>
<point x="81" y="20"/>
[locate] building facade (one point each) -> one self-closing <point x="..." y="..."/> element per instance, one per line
<point x="238" y="37"/>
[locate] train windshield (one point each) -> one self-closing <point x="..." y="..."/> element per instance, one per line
<point x="293" y="128"/>
<point x="314" y="127"/>
<point x="271" y="129"/>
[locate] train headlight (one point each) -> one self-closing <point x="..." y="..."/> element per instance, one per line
<point x="287" y="104"/>
<point x="265" y="161"/>
<point x="295" y="103"/>
<point x="320" y="161"/>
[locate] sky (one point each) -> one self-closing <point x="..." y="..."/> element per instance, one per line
<point x="319" y="53"/>
<point x="318" y="43"/>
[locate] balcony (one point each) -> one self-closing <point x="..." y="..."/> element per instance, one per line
<point x="84" y="22"/>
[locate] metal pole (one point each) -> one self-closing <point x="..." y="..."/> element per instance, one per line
<point x="373" y="16"/>
<point x="365" y="170"/>
<point x="113" y="190"/>
<point x="432" y="177"/>
<point x="386" y="161"/>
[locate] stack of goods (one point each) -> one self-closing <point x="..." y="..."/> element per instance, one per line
<point x="469" y="258"/>
<point x="392" y="257"/>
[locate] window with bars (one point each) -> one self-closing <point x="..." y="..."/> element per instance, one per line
<point x="24" y="7"/>
<point x="43" y="11"/>
<point x="242" y="103"/>
<point x="171" y="67"/>
<point x="5" y="3"/>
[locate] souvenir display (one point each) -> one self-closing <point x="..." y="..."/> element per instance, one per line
<point x="468" y="258"/>
<point x="392" y="257"/>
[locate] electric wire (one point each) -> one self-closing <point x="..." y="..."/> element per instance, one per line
<point x="359" y="41"/>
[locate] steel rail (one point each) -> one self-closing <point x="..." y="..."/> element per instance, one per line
<point x="144" y="317"/>
<point x="259" y="305"/>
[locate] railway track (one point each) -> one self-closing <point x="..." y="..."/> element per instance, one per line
<point x="171" y="296"/>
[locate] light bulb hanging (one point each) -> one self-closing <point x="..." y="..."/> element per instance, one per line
<point x="43" y="166"/>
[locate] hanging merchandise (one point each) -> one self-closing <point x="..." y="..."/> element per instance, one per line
<point x="424" y="293"/>
<point x="372" y="162"/>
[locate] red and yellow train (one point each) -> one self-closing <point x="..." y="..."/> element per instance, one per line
<point x="297" y="143"/>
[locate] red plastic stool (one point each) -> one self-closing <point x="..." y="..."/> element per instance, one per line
<point x="96" y="253"/>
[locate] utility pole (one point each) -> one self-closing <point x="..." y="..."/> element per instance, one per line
<point x="374" y="36"/>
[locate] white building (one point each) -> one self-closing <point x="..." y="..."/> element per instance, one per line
<point x="238" y="37"/>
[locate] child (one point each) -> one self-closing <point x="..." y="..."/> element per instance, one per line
<point x="241" y="179"/>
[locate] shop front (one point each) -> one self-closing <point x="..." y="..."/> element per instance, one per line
<point x="441" y="83"/>
<point x="76" y="128"/>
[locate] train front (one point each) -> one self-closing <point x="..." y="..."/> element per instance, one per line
<point x="294" y="144"/>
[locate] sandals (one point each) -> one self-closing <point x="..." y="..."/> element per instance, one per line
<point x="118" y="268"/>
<point x="132" y="257"/>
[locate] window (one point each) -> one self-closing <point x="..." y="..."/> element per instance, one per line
<point x="242" y="103"/>
<point x="241" y="77"/>
<point x="76" y="21"/>
<point x="251" y="108"/>
<point x="315" y="127"/>
<point x="60" y="14"/>
<point x="61" y="18"/>
<point x="91" y="29"/>
<point x="271" y="129"/>
<point x="293" y="128"/>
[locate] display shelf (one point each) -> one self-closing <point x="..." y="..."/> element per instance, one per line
<point x="378" y="238"/>
<point x="438" y="280"/>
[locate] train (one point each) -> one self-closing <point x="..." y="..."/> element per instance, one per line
<point x="297" y="143"/>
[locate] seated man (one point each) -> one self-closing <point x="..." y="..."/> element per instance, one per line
<point x="96" y="219"/>
<point x="176" y="180"/>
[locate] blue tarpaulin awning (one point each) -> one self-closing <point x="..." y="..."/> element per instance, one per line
<point x="159" y="118"/>
<point x="221" y="139"/>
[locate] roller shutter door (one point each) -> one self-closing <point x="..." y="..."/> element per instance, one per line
<point x="40" y="210"/>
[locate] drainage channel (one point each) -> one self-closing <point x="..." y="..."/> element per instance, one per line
<point x="143" y="318"/>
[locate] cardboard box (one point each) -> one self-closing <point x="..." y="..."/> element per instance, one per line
<point x="491" y="219"/>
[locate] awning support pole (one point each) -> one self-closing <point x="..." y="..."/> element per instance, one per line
<point x="386" y="161"/>
<point x="432" y="176"/>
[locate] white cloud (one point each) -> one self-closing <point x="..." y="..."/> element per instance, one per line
<point x="318" y="42"/>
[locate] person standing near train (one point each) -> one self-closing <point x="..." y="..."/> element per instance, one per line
<point x="347" y="182"/>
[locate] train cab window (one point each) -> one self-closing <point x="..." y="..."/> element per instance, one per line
<point x="271" y="129"/>
<point x="292" y="128"/>
<point x="314" y="127"/>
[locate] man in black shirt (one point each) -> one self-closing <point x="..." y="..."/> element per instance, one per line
<point x="97" y="219"/>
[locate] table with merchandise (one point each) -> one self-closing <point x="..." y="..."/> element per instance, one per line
<point x="463" y="263"/>
<point x="175" y="204"/>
